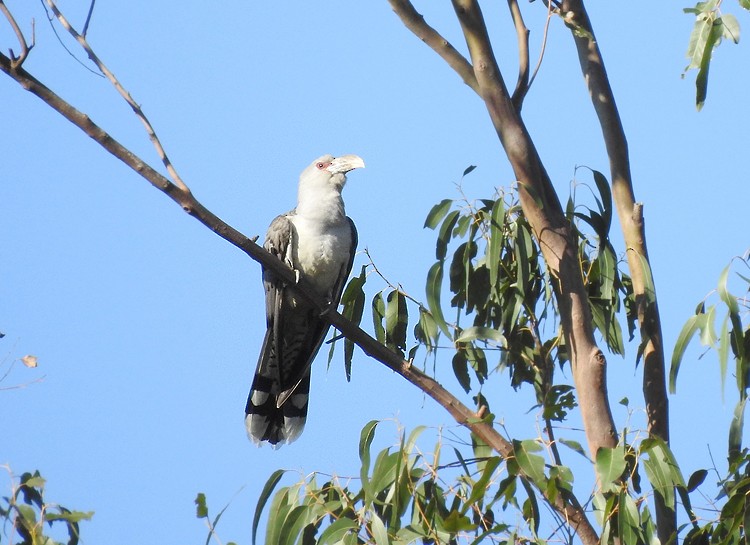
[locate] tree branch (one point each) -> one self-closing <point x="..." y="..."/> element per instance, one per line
<point x="25" y="48"/>
<point x="633" y="229"/>
<point x="120" y="89"/>
<point x="414" y="21"/>
<point x="522" y="85"/>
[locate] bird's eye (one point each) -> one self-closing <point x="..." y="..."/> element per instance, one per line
<point x="320" y="165"/>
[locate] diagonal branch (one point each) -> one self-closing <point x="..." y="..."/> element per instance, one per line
<point x="414" y="21"/>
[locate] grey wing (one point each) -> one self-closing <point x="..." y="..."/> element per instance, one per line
<point x="279" y="241"/>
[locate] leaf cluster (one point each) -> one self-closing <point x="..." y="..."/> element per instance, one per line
<point x="405" y="496"/>
<point x="711" y="26"/>
<point x="31" y="517"/>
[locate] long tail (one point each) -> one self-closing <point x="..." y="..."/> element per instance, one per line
<point x="267" y="421"/>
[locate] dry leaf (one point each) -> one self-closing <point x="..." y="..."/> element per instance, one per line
<point x="29" y="361"/>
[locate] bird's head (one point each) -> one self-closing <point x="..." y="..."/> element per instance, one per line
<point x="329" y="172"/>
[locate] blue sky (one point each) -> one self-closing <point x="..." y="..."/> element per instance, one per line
<point x="147" y="326"/>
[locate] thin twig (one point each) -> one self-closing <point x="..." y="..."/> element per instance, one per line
<point x="88" y="19"/>
<point x="51" y="21"/>
<point x="544" y="44"/>
<point x="25" y="48"/>
<point x="123" y="93"/>
<point x="522" y="85"/>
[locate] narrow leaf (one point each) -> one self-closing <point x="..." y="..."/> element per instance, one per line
<point x="434" y="286"/>
<point x="531" y="464"/>
<point x="378" y="313"/>
<point x="396" y="319"/>
<point x="495" y="245"/>
<point x="735" y="430"/>
<point x="610" y="465"/>
<point x="481" y="333"/>
<point x="683" y="339"/>
<point x="437" y="213"/>
<point x="378" y="530"/>
<point x="336" y="531"/>
<point x="365" y="440"/>
<point x="445" y="234"/>
<point x="731" y="30"/>
<point x="271" y="483"/>
<point x="696" y="479"/>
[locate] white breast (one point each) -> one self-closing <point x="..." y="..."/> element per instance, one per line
<point x="321" y="251"/>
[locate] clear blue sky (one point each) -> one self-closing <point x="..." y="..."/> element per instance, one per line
<point x="147" y="326"/>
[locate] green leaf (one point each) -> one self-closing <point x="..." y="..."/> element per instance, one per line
<point x="734" y="311"/>
<point x="495" y="245"/>
<point x="479" y="488"/>
<point x="457" y="522"/>
<point x="745" y="4"/>
<point x="365" y="440"/>
<point x="531" y="464"/>
<point x="735" y="430"/>
<point x="293" y="524"/>
<point x="201" y="510"/>
<point x="37" y="481"/>
<point x="574" y="446"/>
<point x="434" y="286"/>
<point x="701" y="81"/>
<point x="437" y="213"/>
<point x="696" y="479"/>
<point x="606" y="209"/>
<point x="271" y="483"/>
<point x="723" y="351"/>
<point x="337" y="530"/>
<point x="378" y="530"/>
<point x="482" y="334"/>
<point x="610" y="466"/>
<point x="396" y="320"/>
<point x="468" y="170"/>
<point x="69" y="516"/>
<point x="731" y="30"/>
<point x="426" y="331"/>
<point x="461" y="370"/>
<point x="353" y="300"/>
<point x="378" y="313"/>
<point x="699" y="37"/>
<point x="662" y="469"/>
<point x="629" y="520"/>
<point x="445" y="234"/>
<point x="683" y="339"/>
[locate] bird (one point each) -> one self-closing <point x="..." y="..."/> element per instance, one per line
<point x="318" y="241"/>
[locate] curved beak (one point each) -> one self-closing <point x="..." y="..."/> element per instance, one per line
<point x="345" y="163"/>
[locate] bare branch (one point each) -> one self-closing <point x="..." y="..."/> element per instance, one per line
<point x="123" y="92"/>
<point x="414" y="21"/>
<point x="522" y="85"/>
<point x="544" y="44"/>
<point x="25" y="48"/>
<point x="88" y="18"/>
<point x="630" y="214"/>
